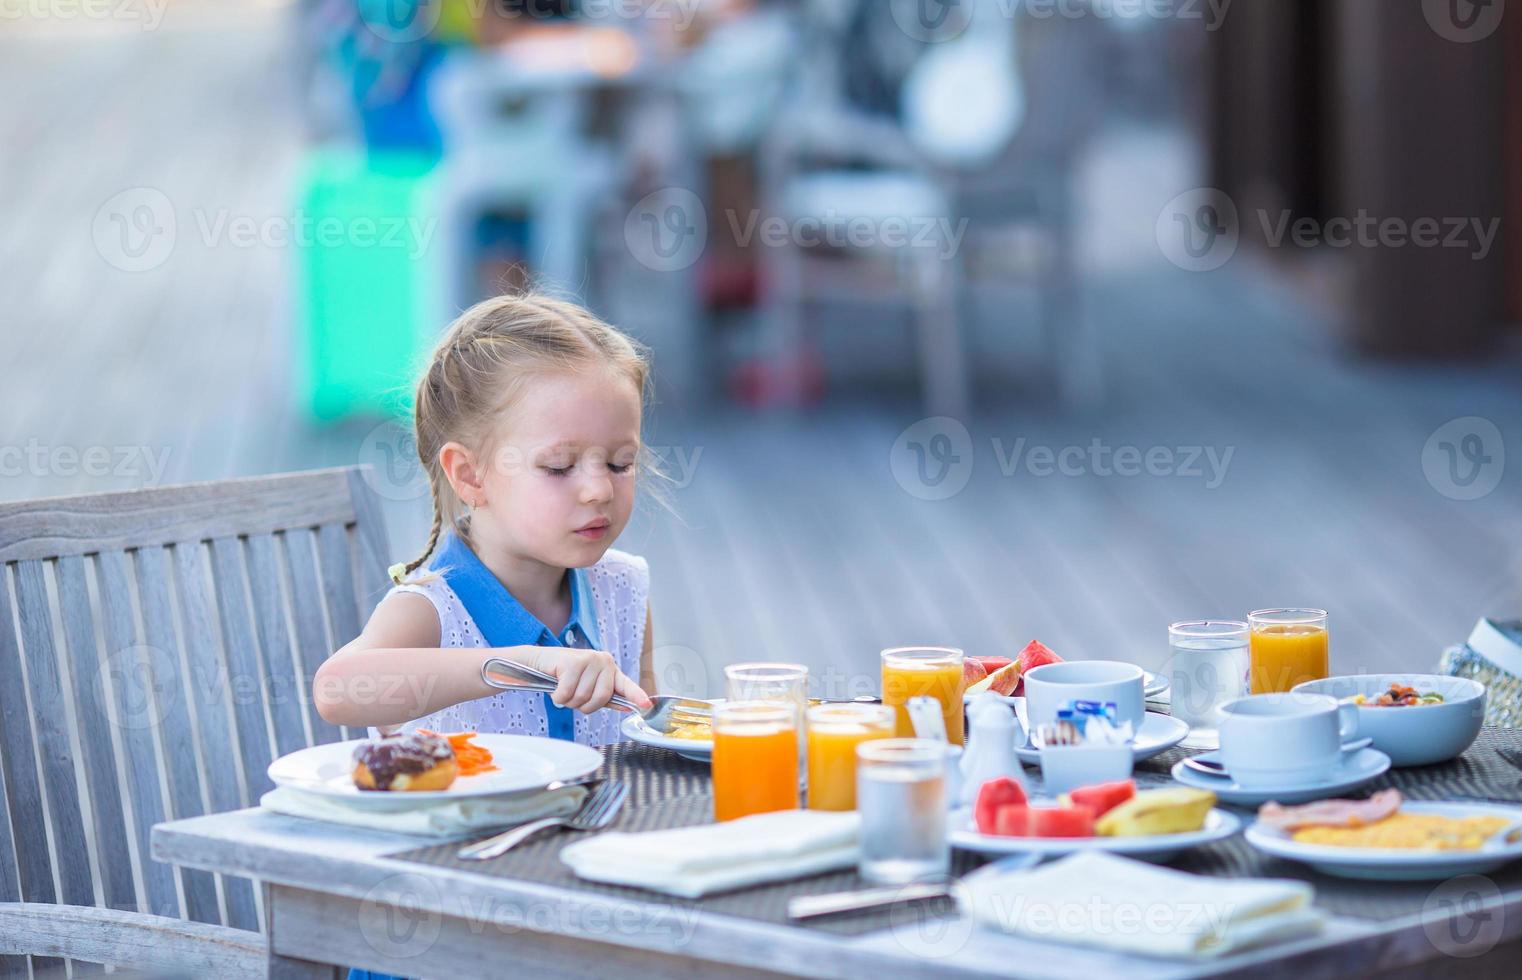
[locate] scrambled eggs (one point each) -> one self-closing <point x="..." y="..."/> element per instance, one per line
<point x="1409" y="831"/>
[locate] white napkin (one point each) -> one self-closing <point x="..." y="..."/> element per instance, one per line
<point x="450" y="818"/>
<point x="1098" y="899"/>
<point x="693" y="861"/>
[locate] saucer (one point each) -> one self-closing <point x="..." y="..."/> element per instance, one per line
<point x="1356" y="769"/>
<point x="1158" y="734"/>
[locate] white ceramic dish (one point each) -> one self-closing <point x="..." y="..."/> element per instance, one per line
<point x="1159" y="733"/>
<point x="698" y="750"/>
<point x="1419" y="735"/>
<point x="1388" y="864"/>
<point x="525" y="763"/>
<point x="963" y="833"/>
<point x="1357" y="769"/>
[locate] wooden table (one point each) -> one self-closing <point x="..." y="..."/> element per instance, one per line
<point x="331" y="896"/>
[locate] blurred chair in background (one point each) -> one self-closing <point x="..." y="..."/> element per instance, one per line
<point x="982" y="124"/>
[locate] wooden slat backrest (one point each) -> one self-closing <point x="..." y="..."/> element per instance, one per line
<point x="156" y="652"/>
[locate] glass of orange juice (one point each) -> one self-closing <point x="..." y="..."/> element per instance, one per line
<point x="934" y="671"/>
<point x="1286" y="647"/>
<point x="834" y="731"/>
<point x="755" y="758"/>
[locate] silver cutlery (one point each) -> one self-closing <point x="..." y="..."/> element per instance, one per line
<point x="665" y="710"/>
<point x="839" y="903"/>
<point x="862" y="899"/>
<point x="595" y="813"/>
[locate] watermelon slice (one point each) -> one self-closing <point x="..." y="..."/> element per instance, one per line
<point x="1035" y="654"/>
<point x="1003" y="791"/>
<point x="1012" y="820"/>
<point x="1103" y="797"/>
<point x="1061" y="821"/>
<point x="991" y="664"/>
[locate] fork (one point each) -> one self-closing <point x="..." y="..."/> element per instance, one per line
<point x="595" y="813"/>
<point x="665" y="709"/>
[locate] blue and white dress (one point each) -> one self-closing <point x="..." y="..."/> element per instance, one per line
<point x="609" y="603"/>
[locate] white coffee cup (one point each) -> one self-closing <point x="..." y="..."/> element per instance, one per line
<point x="1285" y="740"/>
<point x="1050" y="686"/>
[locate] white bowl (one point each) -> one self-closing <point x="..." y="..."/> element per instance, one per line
<point x="1418" y="735"/>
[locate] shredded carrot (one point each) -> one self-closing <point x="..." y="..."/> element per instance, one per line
<point x="472" y="760"/>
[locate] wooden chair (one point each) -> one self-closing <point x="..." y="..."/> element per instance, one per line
<point x="156" y="652"/>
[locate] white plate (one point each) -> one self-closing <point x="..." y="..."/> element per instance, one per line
<point x="1159" y="733"/>
<point x="524" y="763"/>
<point x="963" y="833"/>
<point x="1387" y="864"/>
<point x="698" y="750"/>
<point x="1358" y="768"/>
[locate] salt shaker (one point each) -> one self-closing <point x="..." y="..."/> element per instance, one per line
<point x="990" y="751"/>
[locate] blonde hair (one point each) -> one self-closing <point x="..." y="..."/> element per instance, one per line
<point x="474" y="372"/>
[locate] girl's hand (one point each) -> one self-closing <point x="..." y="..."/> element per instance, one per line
<point x="588" y="678"/>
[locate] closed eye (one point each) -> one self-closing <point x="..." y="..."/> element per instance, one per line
<point x="620" y="468"/>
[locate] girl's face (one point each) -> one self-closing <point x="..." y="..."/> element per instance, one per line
<point x="559" y="486"/>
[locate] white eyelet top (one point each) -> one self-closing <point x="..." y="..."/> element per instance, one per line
<point x="620" y="587"/>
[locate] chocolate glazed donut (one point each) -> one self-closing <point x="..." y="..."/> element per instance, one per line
<point x="416" y="761"/>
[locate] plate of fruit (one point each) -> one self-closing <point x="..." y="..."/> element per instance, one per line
<point x="1005" y="677"/>
<point x="1151" y="824"/>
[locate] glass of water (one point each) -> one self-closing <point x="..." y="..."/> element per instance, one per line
<point x="901" y="794"/>
<point x="1207" y="667"/>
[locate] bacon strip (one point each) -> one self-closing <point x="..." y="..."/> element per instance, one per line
<point x="1331" y="813"/>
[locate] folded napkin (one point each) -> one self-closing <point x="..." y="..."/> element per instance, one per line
<point x="449" y="818"/>
<point x="1098" y="899"/>
<point x="693" y="861"/>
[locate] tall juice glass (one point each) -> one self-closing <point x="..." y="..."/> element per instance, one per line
<point x="755" y="758"/>
<point x="834" y="732"/>
<point x="1286" y="647"/>
<point x="934" y="671"/>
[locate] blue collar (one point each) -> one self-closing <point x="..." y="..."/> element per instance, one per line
<point x="501" y="618"/>
<point x="504" y="622"/>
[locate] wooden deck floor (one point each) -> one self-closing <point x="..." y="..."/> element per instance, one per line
<point x="791" y="537"/>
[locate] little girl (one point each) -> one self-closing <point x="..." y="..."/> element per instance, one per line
<point x="528" y="425"/>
